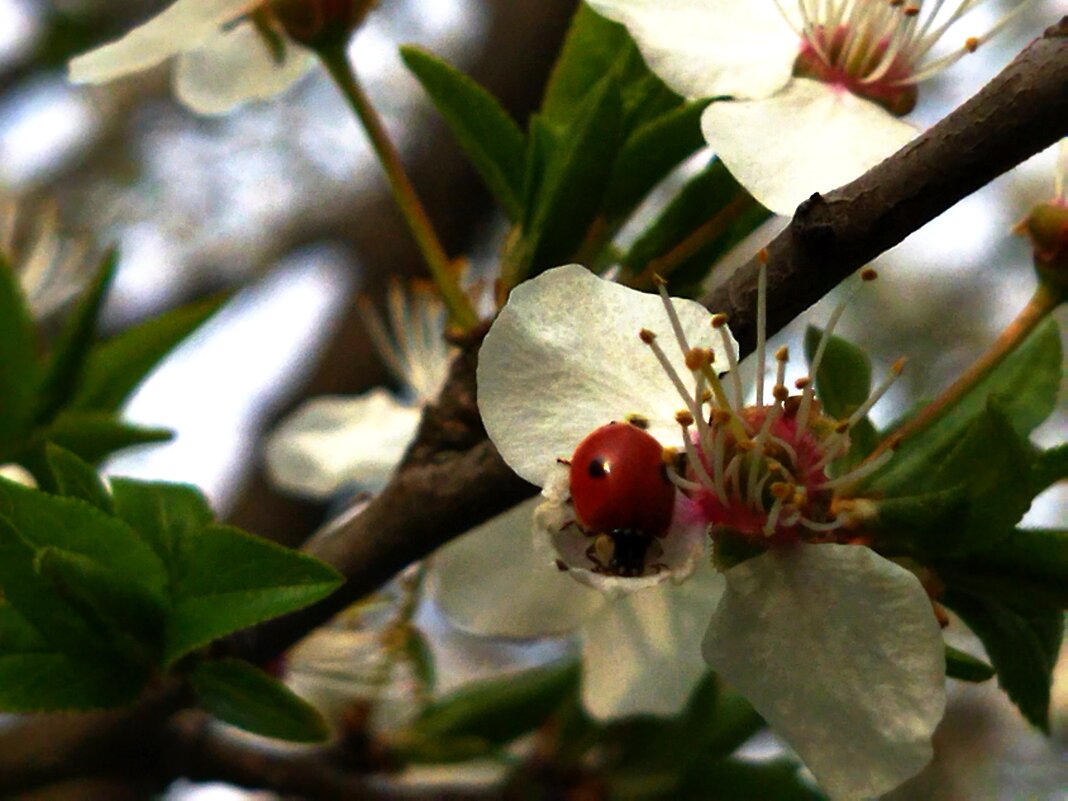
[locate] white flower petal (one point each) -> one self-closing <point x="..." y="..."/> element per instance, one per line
<point x="234" y="67"/>
<point x="705" y="48"/>
<point x="333" y="441"/>
<point x="564" y="358"/>
<point x="492" y="581"/>
<point x="641" y="653"/>
<point x="840" y="651"/>
<point x="181" y="27"/>
<point x="810" y="137"/>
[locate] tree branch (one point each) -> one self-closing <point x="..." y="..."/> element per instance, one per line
<point x="453" y="479"/>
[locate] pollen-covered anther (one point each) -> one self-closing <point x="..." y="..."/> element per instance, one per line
<point x="971" y="44"/>
<point x="780" y="393"/>
<point x="669" y="455"/>
<point x="868" y="274"/>
<point x="898" y="366"/>
<point x="696" y="358"/>
<point x="684" y="418"/>
<point x="783" y="490"/>
<point x="803" y="382"/>
<point x="719" y="320"/>
<point x="911" y="11"/>
<point x="706" y="396"/>
<point x="647" y="336"/>
<point x="782" y="354"/>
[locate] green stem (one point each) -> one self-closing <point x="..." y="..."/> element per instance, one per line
<point x="336" y="62"/>
<point x="1044" y="301"/>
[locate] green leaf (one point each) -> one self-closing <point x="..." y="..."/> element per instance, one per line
<point x="843" y="384"/>
<point x="1022" y="641"/>
<point x="17" y="634"/>
<point x="225" y="580"/>
<point x="164" y="514"/>
<point x="1050" y="467"/>
<point x="737" y="780"/>
<point x="67" y="361"/>
<point x="72" y="525"/>
<point x="594" y="48"/>
<point x="117" y="609"/>
<point x="1031" y="559"/>
<point x="573" y="180"/>
<point x="486" y="132"/>
<point x="1027" y="382"/>
<point x="649" y="154"/>
<point x="500" y="709"/>
<point x="965" y="667"/>
<point x="709" y="215"/>
<point x="989" y="461"/>
<point x="74" y="478"/>
<point x="95" y="435"/>
<point x="246" y="697"/>
<point x="35" y="600"/>
<point x="421" y="657"/>
<point x="19" y="369"/>
<point x="53" y="682"/>
<point x="115" y="368"/>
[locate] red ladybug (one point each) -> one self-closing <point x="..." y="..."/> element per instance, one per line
<point x="622" y="496"/>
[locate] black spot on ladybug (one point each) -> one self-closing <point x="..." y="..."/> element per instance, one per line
<point x="597" y="468"/>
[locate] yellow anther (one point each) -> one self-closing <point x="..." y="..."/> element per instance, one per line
<point x="780" y="393"/>
<point x="898" y="366"/>
<point x="719" y="320"/>
<point x="803" y="382"/>
<point x="647" y="336"/>
<point x="762" y="255"/>
<point x="696" y="358"/>
<point x="868" y="274"/>
<point x="706" y="396"/>
<point x="745" y="446"/>
<point x="669" y="454"/>
<point x="782" y="354"/>
<point x="684" y="418"/>
<point x="971" y="44"/>
<point x="781" y="489"/>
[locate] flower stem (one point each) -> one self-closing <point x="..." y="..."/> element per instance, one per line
<point x="1045" y="300"/>
<point x="336" y="62"/>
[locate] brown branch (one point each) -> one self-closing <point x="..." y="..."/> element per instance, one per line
<point x="453" y="479"/>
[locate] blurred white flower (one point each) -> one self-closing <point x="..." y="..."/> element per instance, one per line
<point x="816" y="88"/>
<point x="837" y="647"/>
<point x="227" y="52"/>
<point x="48" y="267"/>
<point x="332" y="442"/>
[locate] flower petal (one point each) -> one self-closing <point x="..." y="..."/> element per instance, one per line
<point x="810" y="137"/>
<point x="705" y="48"/>
<point x="330" y="442"/>
<point x="840" y="652"/>
<point x="233" y="67"/>
<point x="640" y="653"/>
<point x="182" y="26"/>
<point x="564" y="358"/>
<point x="492" y="581"/>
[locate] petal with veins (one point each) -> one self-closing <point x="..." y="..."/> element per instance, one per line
<point x="641" y="653"/>
<point x="707" y="48"/>
<point x="840" y="652"/>
<point x="233" y="67"/>
<point x="564" y="358"/>
<point x="492" y="581"/>
<point x="333" y="441"/>
<point x="810" y="137"/>
<point x="184" y="25"/>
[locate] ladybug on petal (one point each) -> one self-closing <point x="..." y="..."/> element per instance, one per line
<point x="622" y="497"/>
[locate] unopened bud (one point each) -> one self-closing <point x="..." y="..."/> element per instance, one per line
<point x="320" y="23"/>
<point x="1047" y="229"/>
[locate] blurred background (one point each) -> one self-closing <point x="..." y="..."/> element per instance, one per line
<point x="281" y="203"/>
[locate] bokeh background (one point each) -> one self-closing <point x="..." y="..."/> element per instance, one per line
<point x="281" y="203"/>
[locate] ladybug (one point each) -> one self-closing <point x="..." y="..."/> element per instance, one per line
<point x="622" y="496"/>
